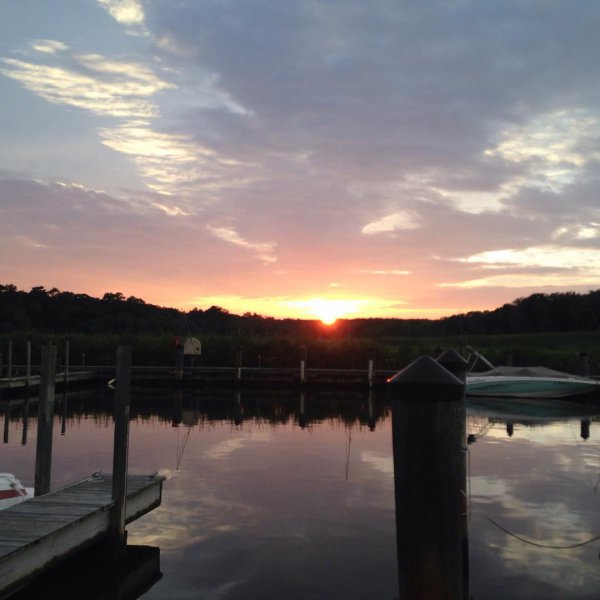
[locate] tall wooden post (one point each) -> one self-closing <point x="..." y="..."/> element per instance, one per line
<point x="43" y="455"/>
<point x="370" y="373"/>
<point x="121" y="445"/>
<point x="179" y="363"/>
<point x="303" y="357"/>
<point x="66" y="363"/>
<point x="27" y="365"/>
<point x="25" y="421"/>
<point x="63" y="419"/>
<point x="428" y="429"/>
<point x="9" y="357"/>
<point x="238" y="364"/>
<point x="6" y="423"/>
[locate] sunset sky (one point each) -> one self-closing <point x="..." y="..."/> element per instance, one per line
<point x="296" y="158"/>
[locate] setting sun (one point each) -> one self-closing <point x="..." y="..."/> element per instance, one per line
<point x="328" y="311"/>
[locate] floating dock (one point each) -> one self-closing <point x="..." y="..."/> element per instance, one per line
<point x="222" y="376"/>
<point x="39" y="533"/>
<point x="34" y="380"/>
<point x="262" y="376"/>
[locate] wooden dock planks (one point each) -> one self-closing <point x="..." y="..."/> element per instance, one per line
<point x="40" y="532"/>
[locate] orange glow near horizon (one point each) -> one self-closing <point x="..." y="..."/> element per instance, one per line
<point x="326" y="309"/>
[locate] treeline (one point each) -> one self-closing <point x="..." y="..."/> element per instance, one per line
<point x="54" y="311"/>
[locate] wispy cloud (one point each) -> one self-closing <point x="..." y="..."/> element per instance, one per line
<point x="394" y="222"/>
<point x="540" y="256"/>
<point x="126" y="91"/>
<point x="48" y="46"/>
<point x="123" y="91"/>
<point x="265" y="251"/>
<point x="387" y="272"/>
<point x="540" y="266"/>
<point x="526" y="281"/>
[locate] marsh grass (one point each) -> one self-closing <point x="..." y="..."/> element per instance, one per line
<point x="555" y="350"/>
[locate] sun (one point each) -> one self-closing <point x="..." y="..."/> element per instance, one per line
<point x="329" y="311"/>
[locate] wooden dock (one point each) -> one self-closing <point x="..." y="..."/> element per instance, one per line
<point x="263" y="376"/>
<point x="37" y="534"/>
<point x="219" y="376"/>
<point x="34" y="380"/>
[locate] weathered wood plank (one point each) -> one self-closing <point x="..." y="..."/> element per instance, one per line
<point x="40" y="532"/>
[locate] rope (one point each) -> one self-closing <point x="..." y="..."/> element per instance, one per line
<point x="521" y="539"/>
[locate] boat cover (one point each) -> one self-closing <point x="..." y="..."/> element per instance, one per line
<point x="522" y="372"/>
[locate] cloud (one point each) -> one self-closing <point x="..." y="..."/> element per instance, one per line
<point x="116" y="96"/>
<point x="394" y="222"/>
<point x="125" y="90"/>
<point x="265" y="251"/>
<point x="555" y="146"/>
<point x="540" y="256"/>
<point x="129" y="12"/>
<point x="390" y="272"/>
<point x="543" y="266"/>
<point x="48" y="46"/>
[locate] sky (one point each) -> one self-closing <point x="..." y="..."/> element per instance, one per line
<point x="304" y="159"/>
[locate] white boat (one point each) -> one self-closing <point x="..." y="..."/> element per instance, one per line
<point x="12" y="491"/>
<point x="527" y="382"/>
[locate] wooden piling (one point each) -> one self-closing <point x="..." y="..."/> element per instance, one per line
<point x="64" y="406"/>
<point x="370" y="371"/>
<point x="25" y="421"/>
<point x="43" y="456"/>
<point x="9" y="357"/>
<point x="179" y="363"/>
<point x="238" y="364"/>
<point x="121" y="446"/>
<point x="428" y="429"/>
<point x="6" y="423"/>
<point x="66" y="363"/>
<point x="27" y="366"/>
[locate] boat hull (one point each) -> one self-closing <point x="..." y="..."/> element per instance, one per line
<point x="12" y="491"/>
<point x="529" y="387"/>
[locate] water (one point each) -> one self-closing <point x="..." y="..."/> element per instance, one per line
<point x="283" y="496"/>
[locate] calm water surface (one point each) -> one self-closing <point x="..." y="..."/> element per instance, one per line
<point x="289" y="496"/>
